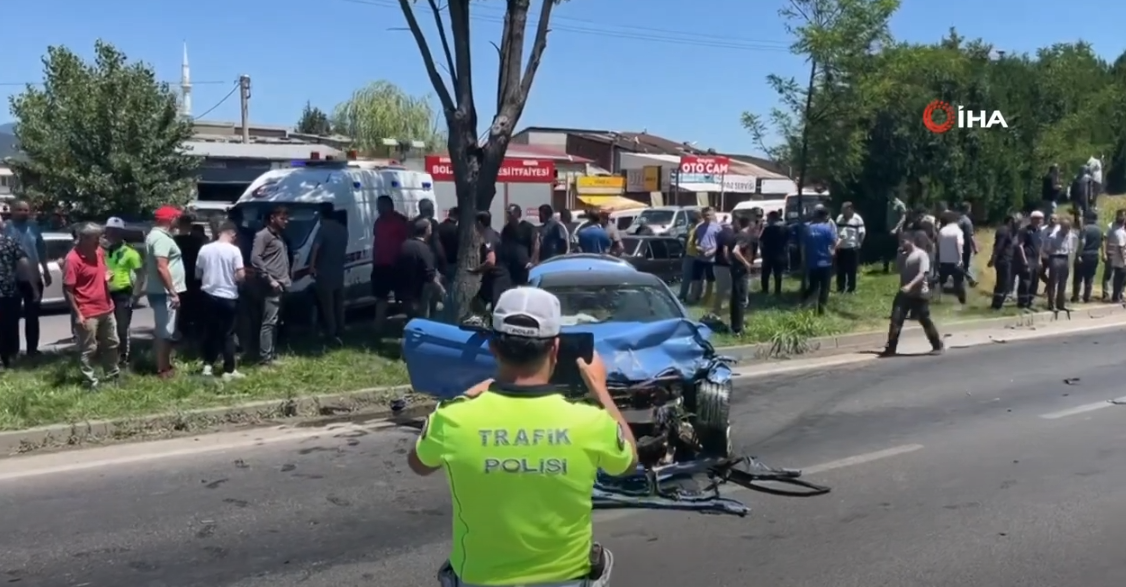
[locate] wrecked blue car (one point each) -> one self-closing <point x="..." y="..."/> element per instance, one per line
<point x="667" y="379"/>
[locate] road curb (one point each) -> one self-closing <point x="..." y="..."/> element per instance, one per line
<point x="372" y="403"/>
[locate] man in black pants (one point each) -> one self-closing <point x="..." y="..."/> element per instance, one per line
<point x="519" y="246"/>
<point x="1002" y="260"/>
<point x="913" y="297"/>
<point x="1087" y="259"/>
<point x="1026" y="264"/>
<point x="495" y="279"/>
<point x="419" y="281"/>
<point x="740" y="257"/>
<point x="850" y="227"/>
<point x="220" y="270"/>
<point x="13" y="263"/>
<point x="773" y="247"/>
<point x="37" y="278"/>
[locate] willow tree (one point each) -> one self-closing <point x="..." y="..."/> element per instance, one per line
<point x="381" y="110"/>
<point x="476" y="165"/>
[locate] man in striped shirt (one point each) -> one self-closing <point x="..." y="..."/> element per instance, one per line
<point x="1062" y="243"/>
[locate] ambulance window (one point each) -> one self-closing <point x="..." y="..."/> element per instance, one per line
<point x="302" y="218"/>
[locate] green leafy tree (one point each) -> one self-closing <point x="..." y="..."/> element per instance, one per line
<point x="859" y="119"/>
<point x="314" y="121"/>
<point x="102" y="138"/>
<point x="836" y="37"/>
<point x="476" y="165"/>
<point x="382" y="110"/>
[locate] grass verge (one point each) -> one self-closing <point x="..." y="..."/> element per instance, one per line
<point x="49" y="390"/>
<point x="986" y="277"/>
<point x="788" y="327"/>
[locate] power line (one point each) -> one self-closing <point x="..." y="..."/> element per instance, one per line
<point x="686" y="39"/>
<point x="175" y="83"/>
<point x="220" y="103"/>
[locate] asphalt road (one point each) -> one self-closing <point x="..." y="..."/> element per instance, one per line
<point x="980" y="467"/>
<point x="54" y="327"/>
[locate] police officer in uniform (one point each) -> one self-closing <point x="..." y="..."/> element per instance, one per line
<point x="522" y="459"/>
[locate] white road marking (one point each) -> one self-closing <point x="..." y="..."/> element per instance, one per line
<point x="16" y="468"/>
<point x="1083" y="409"/>
<point x="805" y="365"/>
<point x="862" y="459"/>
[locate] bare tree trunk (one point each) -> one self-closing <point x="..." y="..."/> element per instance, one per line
<point x="467" y="170"/>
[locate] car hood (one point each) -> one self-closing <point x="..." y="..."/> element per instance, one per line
<point x="638" y="351"/>
<point x="444" y="360"/>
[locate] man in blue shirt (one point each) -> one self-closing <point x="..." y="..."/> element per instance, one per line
<point x="703" y="267"/>
<point x="819" y="241"/>
<point x="600" y="237"/>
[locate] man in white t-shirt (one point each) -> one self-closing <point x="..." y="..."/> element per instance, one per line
<point x="850" y="227"/>
<point x="220" y="271"/>
<point x="951" y="245"/>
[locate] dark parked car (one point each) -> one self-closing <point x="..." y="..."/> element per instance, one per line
<point x="658" y="255"/>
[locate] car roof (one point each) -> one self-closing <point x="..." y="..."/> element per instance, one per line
<point x="597" y="278"/>
<point x="583" y="262"/>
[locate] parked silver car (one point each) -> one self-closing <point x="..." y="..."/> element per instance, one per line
<point x="58" y="245"/>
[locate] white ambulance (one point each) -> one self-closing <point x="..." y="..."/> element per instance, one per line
<point x="353" y="188"/>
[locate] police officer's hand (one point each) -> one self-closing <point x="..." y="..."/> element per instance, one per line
<point x="478" y="389"/>
<point x="593" y="374"/>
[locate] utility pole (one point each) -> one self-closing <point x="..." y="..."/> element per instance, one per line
<point x="244" y="103"/>
<point x="803" y="168"/>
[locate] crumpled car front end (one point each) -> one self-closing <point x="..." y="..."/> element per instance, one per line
<point x="665" y="376"/>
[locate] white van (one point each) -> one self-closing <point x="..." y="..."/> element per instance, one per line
<point x="353" y="192"/>
<point x="767" y="206"/>
<point x="624" y="219"/>
<point x="668" y="220"/>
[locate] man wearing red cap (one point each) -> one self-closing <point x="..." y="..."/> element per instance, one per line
<point x="165" y="281"/>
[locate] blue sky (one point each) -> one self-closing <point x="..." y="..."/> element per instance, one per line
<point x="684" y="70"/>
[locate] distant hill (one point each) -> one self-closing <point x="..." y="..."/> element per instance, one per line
<point x="7" y="140"/>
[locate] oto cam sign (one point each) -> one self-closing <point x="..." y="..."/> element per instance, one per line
<point x="705" y="165"/>
<point x="511" y="170"/>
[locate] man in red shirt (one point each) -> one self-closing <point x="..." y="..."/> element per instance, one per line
<point x="389" y="233"/>
<point x="87" y="283"/>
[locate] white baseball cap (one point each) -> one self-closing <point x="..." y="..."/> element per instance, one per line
<point x="1036" y="214"/>
<point x="528" y="311"/>
<point x="115" y="222"/>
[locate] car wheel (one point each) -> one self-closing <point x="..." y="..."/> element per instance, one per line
<point x="713" y="417"/>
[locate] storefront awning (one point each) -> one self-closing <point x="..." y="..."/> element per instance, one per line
<point x="610" y="202"/>
<point x="700" y="187"/>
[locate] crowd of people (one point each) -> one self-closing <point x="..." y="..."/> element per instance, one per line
<point x="218" y="293"/>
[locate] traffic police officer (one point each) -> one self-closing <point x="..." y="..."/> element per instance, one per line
<point x="521" y="459"/>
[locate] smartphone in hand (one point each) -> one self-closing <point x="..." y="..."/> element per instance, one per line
<point x="572" y="346"/>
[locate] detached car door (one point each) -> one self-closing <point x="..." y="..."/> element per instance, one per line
<point x="642" y="258"/>
<point x="664" y="265"/>
<point x="444" y="360"/>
